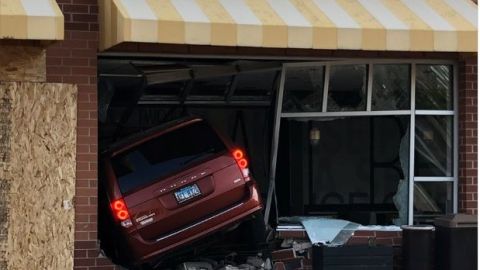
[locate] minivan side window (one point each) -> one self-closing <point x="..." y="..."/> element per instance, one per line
<point x="164" y="155"/>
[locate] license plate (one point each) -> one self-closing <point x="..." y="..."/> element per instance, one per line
<point x="187" y="193"/>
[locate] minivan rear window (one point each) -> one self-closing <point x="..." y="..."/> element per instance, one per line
<point x="169" y="153"/>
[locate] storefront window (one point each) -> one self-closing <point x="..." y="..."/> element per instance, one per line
<point x="303" y="89"/>
<point x="347" y="88"/>
<point x="434" y="89"/>
<point x="391" y="87"/>
<point x="433" y="145"/>
<point x="356" y="158"/>
<point x="432" y="200"/>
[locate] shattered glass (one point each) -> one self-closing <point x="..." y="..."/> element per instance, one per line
<point x="347" y="88"/>
<point x="400" y="199"/>
<point x="391" y="87"/>
<point x="434" y="87"/>
<point x="432" y="199"/>
<point x="434" y="145"/>
<point x="303" y="89"/>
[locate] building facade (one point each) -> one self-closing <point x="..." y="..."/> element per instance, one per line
<point x="91" y="34"/>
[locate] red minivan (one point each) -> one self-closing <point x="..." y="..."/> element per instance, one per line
<point x="172" y="185"/>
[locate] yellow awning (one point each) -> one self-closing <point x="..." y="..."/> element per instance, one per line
<point x="383" y="25"/>
<point x="30" y="19"/>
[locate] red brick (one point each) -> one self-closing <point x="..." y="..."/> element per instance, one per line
<point x="85" y="244"/>
<point x="85" y="227"/>
<point x="292" y="234"/>
<point x="76" y="62"/>
<point x="86" y="157"/>
<point x="75" y="44"/>
<point x="279" y="266"/>
<point x="86" y="208"/>
<point x="87" y="123"/>
<point x="359" y="240"/>
<point x="75" y="9"/>
<point x="364" y="233"/>
<point x="283" y="254"/>
<point x="76" y="26"/>
<point x="82" y="201"/>
<point x="103" y="261"/>
<point x="80" y="253"/>
<point x="102" y="268"/>
<point x="385" y="234"/>
<point x="60" y="52"/>
<point x="81" y="235"/>
<point x="87" y="174"/>
<point x="83" y="166"/>
<point x="86" y="192"/>
<point x="83" y="262"/>
<point x="84" y="71"/>
<point x="84" y="35"/>
<point x="93" y="253"/>
<point x="80" y="217"/>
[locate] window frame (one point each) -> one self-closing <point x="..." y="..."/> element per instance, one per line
<point x="369" y="112"/>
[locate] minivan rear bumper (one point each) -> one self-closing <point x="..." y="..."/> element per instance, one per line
<point x="144" y="251"/>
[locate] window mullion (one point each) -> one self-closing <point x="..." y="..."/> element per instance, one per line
<point x="326" y="82"/>
<point x="412" y="144"/>
<point x="369" y="86"/>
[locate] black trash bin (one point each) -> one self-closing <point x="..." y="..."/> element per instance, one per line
<point x="456" y="242"/>
<point x="418" y="247"/>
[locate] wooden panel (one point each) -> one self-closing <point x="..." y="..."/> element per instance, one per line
<point x="38" y="176"/>
<point x="22" y="63"/>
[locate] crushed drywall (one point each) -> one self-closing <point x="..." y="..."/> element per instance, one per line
<point x="39" y="176"/>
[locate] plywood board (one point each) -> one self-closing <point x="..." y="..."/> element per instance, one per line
<point x="39" y="176"/>
<point x="22" y="63"/>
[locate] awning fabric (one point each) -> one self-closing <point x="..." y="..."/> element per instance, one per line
<point x="31" y="19"/>
<point x="384" y="25"/>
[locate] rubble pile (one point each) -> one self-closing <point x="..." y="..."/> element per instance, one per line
<point x="295" y="254"/>
<point x="251" y="263"/>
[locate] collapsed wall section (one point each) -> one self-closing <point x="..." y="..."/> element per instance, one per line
<point x="37" y="175"/>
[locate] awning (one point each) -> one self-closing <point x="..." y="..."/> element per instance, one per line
<point x="392" y="25"/>
<point x="30" y="19"/>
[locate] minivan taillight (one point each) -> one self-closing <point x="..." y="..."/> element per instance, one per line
<point x="120" y="212"/>
<point x="242" y="163"/>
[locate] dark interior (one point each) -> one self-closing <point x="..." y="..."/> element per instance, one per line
<point x="351" y="171"/>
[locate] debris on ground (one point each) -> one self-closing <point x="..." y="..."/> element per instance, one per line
<point x="251" y="263"/>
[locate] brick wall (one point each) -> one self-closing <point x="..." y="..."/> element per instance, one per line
<point x="468" y="132"/>
<point x="74" y="60"/>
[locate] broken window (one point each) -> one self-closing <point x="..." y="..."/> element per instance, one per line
<point x="432" y="199"/>
<point x="351" y="169"/>
<point x="356" y="154"/>
<point x="347" y="89"/>
<point x="391" y="87"/>
<point x="433" y="145"/>
<point x="434" y="89"/>
<point x="303" y="89"/>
